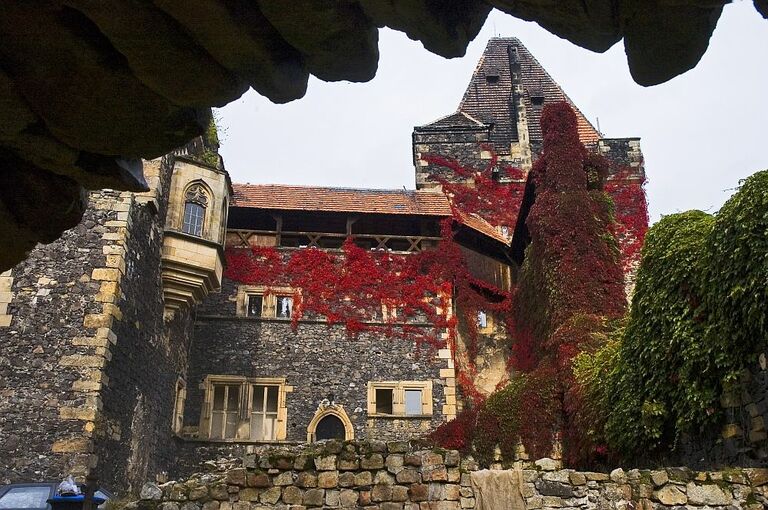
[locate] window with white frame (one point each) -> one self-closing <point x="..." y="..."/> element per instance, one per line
<point x="400" y="398"/>
<point x="246" y="409"/>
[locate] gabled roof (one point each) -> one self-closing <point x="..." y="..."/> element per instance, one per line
<point x="456" y="120"/>
<point x="350" y="200"/>
<point x="285" y="197"/>
<point x="487" y="97"/>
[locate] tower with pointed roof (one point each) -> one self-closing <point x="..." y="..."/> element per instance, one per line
<point x="500" y="113"/>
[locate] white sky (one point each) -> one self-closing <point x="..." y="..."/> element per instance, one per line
<point x="700" y="132"/>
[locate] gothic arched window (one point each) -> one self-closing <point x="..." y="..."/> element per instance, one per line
<point x="196" y="201"/>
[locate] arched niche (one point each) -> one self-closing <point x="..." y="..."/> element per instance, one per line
<point x="328" y="418"/>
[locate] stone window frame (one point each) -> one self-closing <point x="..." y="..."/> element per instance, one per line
<point x="398" y="398"/>
<point x="211" y="381"/>
<point x="269" y="300"/>
<point x="180" y="399"/>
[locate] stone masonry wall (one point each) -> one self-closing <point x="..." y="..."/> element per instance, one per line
<point x="43" y="409"/>
<point x="134" y="433"/>
<point x="319" y="362"/>
<point x="87" y="359"/>
<point x="403" y="476"/>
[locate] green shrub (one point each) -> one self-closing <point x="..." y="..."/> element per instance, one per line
<point x="664" y="381"/>
<point x="735" y="282"/>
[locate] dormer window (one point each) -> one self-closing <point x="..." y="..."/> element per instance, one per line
<point x="196" y="202"/>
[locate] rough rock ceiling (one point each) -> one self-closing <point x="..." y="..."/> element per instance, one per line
<point x="87" y="87"/>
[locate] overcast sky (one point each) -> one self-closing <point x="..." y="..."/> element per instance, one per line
<point x="700" y="132"/>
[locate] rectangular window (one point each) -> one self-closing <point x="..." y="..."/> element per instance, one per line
<point x="413" y="402"/>
<point x="255" y="305"/>
<point x="266" y="302"/>
<point x="194" y="214"/>
<point x="384" y="400"/>
<point x="400" y="398"/>
<point x="284" y="307"/>
<point x="264" y="413"/>
<point x="244" y="409"/>
<point x="226" y="408"/>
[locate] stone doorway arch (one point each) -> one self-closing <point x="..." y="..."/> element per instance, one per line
<point x="330" y="421"/>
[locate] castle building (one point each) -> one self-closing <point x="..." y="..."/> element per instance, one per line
<point x="205" y="318"/>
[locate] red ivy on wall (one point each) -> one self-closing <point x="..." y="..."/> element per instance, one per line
<point x="571" y="280"/>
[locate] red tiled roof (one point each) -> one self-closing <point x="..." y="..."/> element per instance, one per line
<point x="371" y="201"/>
<point x="477" y="223"/>
<point x="312" y="198"/>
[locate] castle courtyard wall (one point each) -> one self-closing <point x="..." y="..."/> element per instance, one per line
<point x="399" y="475"/>
<point x="88" y="367"/>
<point x="322" y="364"/>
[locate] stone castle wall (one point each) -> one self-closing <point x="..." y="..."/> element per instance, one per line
<point x="319" y="362"/>
<point x="87" y="359"/>
<point x="402" y="476"/>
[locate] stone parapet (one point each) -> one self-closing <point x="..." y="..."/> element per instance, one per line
<point x="402" y="475"/>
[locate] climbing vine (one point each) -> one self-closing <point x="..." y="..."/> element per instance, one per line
<point x="698" y="318"/>
<point x="571" y="285"/>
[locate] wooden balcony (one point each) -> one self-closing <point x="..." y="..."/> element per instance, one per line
<point x="329" y="240"/>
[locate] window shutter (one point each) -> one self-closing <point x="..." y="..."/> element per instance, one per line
<point x="371" y="399"/>
<point x="426" y="400"/>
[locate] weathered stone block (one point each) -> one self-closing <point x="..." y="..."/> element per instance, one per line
<point x="151" y="492"/>
<point x="348" y="498"/>
<point x="418" y="492"/>
<point x="397" y="447"/>
<point x="236" y="477"/>
<point x="271" y="495"/>
<point x="408" y="475"/>
<point x="577" y="478"/>
<point x="431" y="459"/>
<point x="383" y="478"/>
<point x="547" y="488"/>
<point x="346" y="479"/>
<point x="325" y="463"/>
<point x="670" y="495"/>
<point x="372" y="461"/>
<point x="707" y="495"/>
<point x="412" y="459"/>
<point x="399" y="493"/>
<point x="248" y="494"/>
<point x="258" y="479"/>
<point x="434" y="474"/>
<point x="314" y="497"/>
<point x="363" y="479"/>
<point x="394" y="462"/>
<point x="381" y="493"/>
<point x="306" y="479"/>
<point x="328" y="479"/>
<point x="284" y="478"/>
<point x="292" y="495"/>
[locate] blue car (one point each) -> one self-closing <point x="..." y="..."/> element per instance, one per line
<point x="35" y="496"/>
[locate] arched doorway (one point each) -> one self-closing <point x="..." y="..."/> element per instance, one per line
<point x="330" y="427"/>
<point x="330" y="422"/>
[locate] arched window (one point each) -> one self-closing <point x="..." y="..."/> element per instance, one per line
<point x="196" y="201"/>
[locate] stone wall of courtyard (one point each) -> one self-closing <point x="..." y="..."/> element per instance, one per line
<point x="400" y="475"/>
<point x="89" y="364"/>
